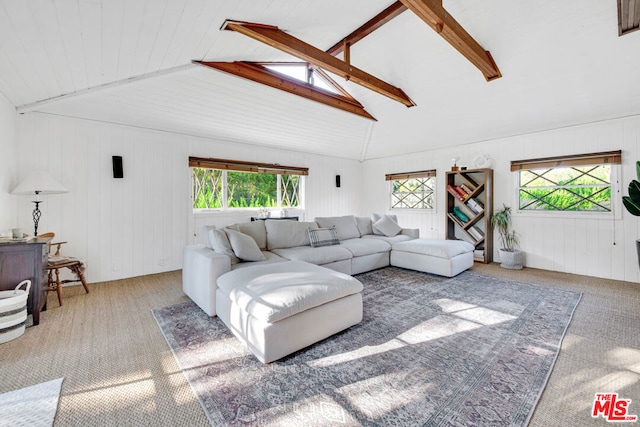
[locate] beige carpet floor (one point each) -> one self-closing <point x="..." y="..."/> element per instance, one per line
<point x="119" y="370"/>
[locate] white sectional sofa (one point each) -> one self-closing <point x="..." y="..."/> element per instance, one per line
<point x="282" y="285"/>
<point x="359" y="250"/>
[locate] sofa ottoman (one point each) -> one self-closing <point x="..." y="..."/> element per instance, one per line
<point x="277" y="309"/>
<point x="442" y="257"/>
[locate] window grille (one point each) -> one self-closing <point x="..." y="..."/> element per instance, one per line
<point x="222" y="184"/>
<point x="579" y="183"/>
<point x="412" y="190"/>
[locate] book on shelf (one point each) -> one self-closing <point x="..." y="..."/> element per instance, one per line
<point x="454" y="193"/>
<point x="475" y="205"/>
<point x="460" y="215"/>
<point x="466" y="189"/>
<point x="478" y="253"/>
<point x="461" y="192"/>
<point x="456" y="220"/>
<point x="477" y="233"/>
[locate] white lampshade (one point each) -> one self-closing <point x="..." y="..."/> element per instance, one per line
<point x="40" y="182"/>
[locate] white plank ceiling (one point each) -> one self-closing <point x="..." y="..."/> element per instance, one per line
<point x="129" y="62"/>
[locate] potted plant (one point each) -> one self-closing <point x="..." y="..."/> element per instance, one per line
<point x="632" y="201"/>
<point x="510" y="256"/>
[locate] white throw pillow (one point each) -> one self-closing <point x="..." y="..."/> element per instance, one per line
<point x="219" y="242"/>
<point x="255" y="229"/>
<point x="387" y="226"/>
<point x="323" y="237"/>
<point x="244" y="246"/>
<point x="375" y="218"/>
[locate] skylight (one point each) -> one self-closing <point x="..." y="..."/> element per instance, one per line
<point x="298" y="71"/>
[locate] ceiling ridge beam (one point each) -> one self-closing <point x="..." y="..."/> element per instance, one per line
<point x="368" y="27"/>
<point x="96" y="89"/>
<point x="263" y="75"/>
<point x="274" y="37"/>
<point x="434" y="15"/>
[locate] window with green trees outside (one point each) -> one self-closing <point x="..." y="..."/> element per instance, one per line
<point x="582" y="188"/>
<point x="218" y="189"/>
<point x="573" y="183"/>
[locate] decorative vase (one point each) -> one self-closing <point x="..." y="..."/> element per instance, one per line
<point x="638" y="250"/>
<point x="512" y="260"/>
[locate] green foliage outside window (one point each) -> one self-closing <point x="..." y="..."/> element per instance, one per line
<point x="586" y="188"/>
<point x="244" y="189"/>
<point x="252" y="190"/>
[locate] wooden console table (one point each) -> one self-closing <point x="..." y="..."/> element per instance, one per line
<point x="22" y="261"/>
<point x="260" y="218"/>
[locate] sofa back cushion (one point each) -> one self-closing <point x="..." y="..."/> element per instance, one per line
<point x="255" y="229"/>
<point x="282" y="234"/>
<point x="345" y="226"/>
<point x="364" y="225"/>
<point x="206" y="230"/>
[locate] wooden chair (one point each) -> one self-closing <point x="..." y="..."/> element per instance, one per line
<point x="56" y="262"/>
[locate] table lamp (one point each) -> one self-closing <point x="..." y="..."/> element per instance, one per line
<point x="37" y="183"/>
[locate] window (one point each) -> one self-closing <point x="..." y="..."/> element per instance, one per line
<point x="229" y="184"/>
<point x="412" y="190"/>
<point x="580" y="183"/>
<point x="304" y="72"/>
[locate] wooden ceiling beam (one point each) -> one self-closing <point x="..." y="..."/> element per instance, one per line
<point x="628" y="16"/>
<point x="432" y="12"/>
<point x="263" y="75"/>
<point x="368" y="27"/>
<point x="278" y="39"/>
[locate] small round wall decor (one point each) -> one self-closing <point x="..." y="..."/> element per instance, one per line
<point x="482" y="161"/>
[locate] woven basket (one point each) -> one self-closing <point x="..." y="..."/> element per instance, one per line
<point x="13" y="311"/>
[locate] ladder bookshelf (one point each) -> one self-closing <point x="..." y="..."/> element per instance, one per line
<point x="469" y="209"/>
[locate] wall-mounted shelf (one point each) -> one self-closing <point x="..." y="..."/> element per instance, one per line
<point x="469" y="210"/>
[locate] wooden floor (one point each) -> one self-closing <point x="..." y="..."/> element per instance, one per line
<point x="119" y="370"/>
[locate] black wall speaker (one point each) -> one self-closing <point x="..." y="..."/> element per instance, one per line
<point x="117" y="167"/>
<point x="338" y="181"/>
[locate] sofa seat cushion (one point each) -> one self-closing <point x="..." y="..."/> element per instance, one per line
<point x="270" y="258"/>
<point x="391" y="240"/>
<point x="435" y="247"/>
<point x="277" y="291"/>
<point x="317" y="256"/>
<point x="362" y="247"/>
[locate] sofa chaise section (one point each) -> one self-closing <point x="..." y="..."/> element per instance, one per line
<point x="280" y="308"/>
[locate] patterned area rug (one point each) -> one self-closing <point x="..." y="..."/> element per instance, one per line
<point x="471" y="350"/>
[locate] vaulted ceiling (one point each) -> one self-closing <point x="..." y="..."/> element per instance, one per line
<point x="130" y="62"/>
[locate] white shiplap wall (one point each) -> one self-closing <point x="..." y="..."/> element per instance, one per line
<point x="139" y="224"/>
<point x="594" y="247"/>
<point x="8" y="164"/>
